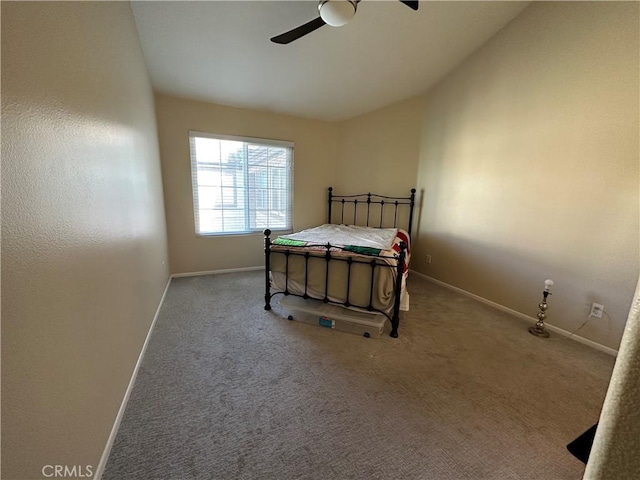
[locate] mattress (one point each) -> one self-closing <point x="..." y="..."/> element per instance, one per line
<point x="364" y="244"/>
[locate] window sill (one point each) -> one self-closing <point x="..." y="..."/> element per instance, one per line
<point x="248" y="234"/>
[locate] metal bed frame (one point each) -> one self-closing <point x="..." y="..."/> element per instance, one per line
<point x="377" y="261"/>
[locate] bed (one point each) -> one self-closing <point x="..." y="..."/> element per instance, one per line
<point x="361" y="267"/>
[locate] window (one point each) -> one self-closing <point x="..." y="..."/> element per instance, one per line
<point x="240" y="185"/>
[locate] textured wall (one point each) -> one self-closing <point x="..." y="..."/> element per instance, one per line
<point x="314" y="159"/>
<point x="529" y="166"/>
<point x="615" y="448"/>
<point x="83" y="230"/>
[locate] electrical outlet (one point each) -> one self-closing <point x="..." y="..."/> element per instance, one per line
<point x="596" y="310"/>
<point x="428" y="258"/>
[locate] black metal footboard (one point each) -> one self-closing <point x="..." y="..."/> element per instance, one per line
<point x="325" y="252"/>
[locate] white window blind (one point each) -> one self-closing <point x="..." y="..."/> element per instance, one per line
<point x="240" y="185"/>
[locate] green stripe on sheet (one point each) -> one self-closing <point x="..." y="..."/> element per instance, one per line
<point x="362" y="250"/>
<point x="288" y="242"/>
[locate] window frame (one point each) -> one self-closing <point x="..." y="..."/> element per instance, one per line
<point x="246" y="140"/>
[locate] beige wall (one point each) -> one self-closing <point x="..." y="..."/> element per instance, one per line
<point x="83" y="231"/>
<point x="379" y="151"/>
<point x="314" y="159"/>
<point x="352" y="156"/>
<point x="529" y="167"/>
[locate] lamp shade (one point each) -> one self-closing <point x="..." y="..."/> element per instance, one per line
<point x="336" y="12"/>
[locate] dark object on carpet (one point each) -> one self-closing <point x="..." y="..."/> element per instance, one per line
<point x="581" y="446"/>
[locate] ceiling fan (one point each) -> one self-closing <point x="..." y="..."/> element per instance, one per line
<point x="332" y="12"/>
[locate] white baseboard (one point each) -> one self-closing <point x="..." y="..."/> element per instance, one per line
<point x="515" y="313"/>
<point x="125" y="400"/>
<point x="216" y="272"/>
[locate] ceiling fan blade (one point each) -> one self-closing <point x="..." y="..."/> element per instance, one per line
<point x="298" y="32"/>
<point x="411" y="4"/>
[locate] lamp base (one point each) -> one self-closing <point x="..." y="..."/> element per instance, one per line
<point x="539" y="331"/>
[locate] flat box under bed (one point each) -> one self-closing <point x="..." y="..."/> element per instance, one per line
<point x="316" y="312"/>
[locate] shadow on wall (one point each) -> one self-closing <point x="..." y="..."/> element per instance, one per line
<point x="417" y="217"/>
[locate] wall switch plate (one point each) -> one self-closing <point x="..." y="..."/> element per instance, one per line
<point x="596" y="310"/>
<point x="428" y="258"/>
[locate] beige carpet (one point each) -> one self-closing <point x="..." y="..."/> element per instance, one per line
<point x="229" y="391"/>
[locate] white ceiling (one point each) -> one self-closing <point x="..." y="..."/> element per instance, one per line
<point x="220" y="52"/>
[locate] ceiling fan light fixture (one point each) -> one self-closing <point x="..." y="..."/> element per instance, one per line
<point x="337" y="12"/>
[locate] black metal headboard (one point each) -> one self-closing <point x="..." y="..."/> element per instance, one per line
<point x="369" y="199"/>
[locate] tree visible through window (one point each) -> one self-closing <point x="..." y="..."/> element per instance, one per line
<point x="240" y="185"/>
